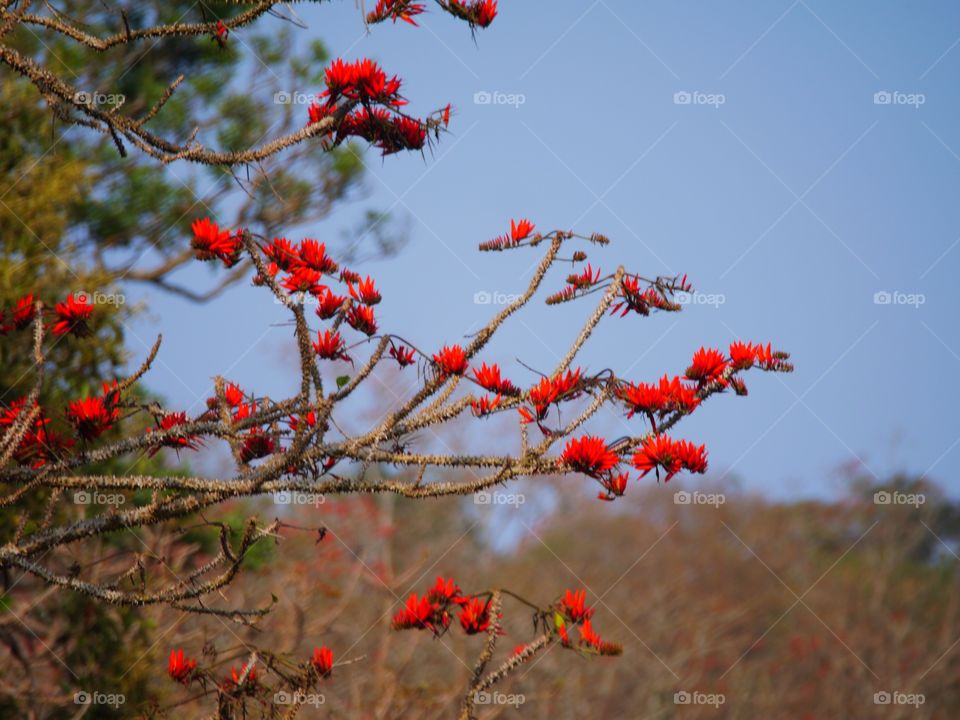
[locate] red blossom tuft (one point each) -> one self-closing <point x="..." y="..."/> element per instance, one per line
<point x="361" y="318"/>
<point x="72" y="316"/>
<point x="708" y="366"/>
<point x="451" y="360"/>
<point x="475" y="616"/>
<point x="322" y="661"/>
<point x="181" y="667"/>
<point x="403" y="355"/>
<point x="329" y="346"/>
<point x="589" y="455"/>
<point x="574" y="606"/>
<point x="365" y="292"/>
<point x="212" y="243"/>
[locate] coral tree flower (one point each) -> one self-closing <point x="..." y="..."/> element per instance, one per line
<point x="589" y="455"/>
<point x="329" y="346"/>
<point x="322" y="661"/>
<point x="181" y="667"/>
<point x="475" y="616"/>
<point x="574" y="606"/>
<point x="451" y="360"/>
<point x="72" y="316"/>
<point x="93" y="416"/>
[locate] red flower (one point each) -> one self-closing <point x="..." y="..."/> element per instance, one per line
<point x="708" y="366"/>
<point x="659" y="451"/>
<point x="446" y="591"/>
<point x="574" y="607"/>
<point x="303" y="279"/>
<point x="615" y="486"/>
<point x="403" y="355"/>
<point x="212" y="243"/>
<point x="475" y="617"/>
<point x="361" y="80"/>
<point x="589" y="455"/>
<point x="420" y="613"/>
<point x="548" y="391"/>
<point x="72" y="316"/>
<point x="641" y="302"/>
<point x="452" y="360"/>
<point x="328" y="304"/>
<point x="310" y="419"/>
<point x="233" y="395"/>
<point x="361" y="318"/>
<point x="322" y="661"/>
<point x="93" y="416"/>
<point x="585" y="279"/>
<point x="313" y="254"/>
<point x="23" y="312"/>
<point x="396" y="9"/>
<point x="181" y="667"/>
<point x="282" y="253"/>
<point x="178" y="442"/>
<point x="365" y="292"/>
<point x="667" y="396"/>
<point x="329" y="346"/>
<point x="590" y="639"/>
<point x="485" y="405"/>
<point x="41" y="445"/>
<point x="489" y="379"/>
<point x="476" y="12"/>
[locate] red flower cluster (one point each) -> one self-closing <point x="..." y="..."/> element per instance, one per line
<point x="520" y="230"/>
<point x="589" y="455"/>
<point x="549" y="391"/>
<point x="72" y="316"/>
<point x="489" y="379"/>
<point x="476" y="12"/>
<point x="177" y="442"/>
<point x="432" y="611"/>
<point x="181" y="667"/>
<point x="573" y="606"/>
<point x="451" y="360"/>
<point x="403" y="355"/>
<point x="241" y="679"/>
<point x="329" y="346"/>
<point x="485" y="405"/>
<point x="39" y="444"/>
<point x="322" y="661"/>
<point x="21" y="317"/>
<point x="658" y="400"/>
<point x="708" y="366"/>
<point x="93" y="416"/>
<point x="661" y="452"/>
<point x="377" y="120"/>
<point x="643" y="301"/>
<point x="212" y="243"/>
<point x="397" y="10"/>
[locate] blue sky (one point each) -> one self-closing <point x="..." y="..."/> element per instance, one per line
<point x="786" y="187"/>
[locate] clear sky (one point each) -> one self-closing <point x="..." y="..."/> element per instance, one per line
<point x="815" y="165"/>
